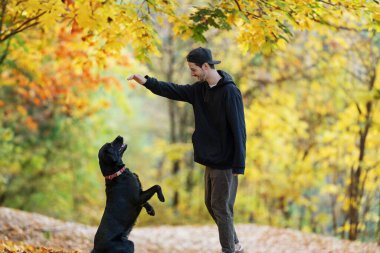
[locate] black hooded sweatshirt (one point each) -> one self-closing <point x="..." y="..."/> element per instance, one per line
<point x="219" y="138"/>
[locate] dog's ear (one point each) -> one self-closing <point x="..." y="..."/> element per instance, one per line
<point x="101" y="152"/>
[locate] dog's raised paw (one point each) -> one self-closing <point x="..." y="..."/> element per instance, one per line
<point x="149" y="209"/>
<point x="161" y="197"/>
<point x="151" y="212"/>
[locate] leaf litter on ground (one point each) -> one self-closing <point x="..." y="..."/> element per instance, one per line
<point x="29" y="232"/>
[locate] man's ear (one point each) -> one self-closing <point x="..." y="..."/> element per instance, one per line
<point x="205" y="66"/>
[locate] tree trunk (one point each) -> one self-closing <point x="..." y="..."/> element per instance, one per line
<point x="353" y="210"/>
<point x="334" y="218"/>
<point x="172" y="114"/>
<point x="356" y="187"/>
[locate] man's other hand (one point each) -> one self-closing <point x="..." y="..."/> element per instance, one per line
<point x="138" y="78"/>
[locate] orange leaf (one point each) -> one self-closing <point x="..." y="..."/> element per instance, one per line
<point x="75" y="28"/>
<point x="36" y="101"/>
<point x="69" y="2"/>
<point x="132" y="85"/>
<point x="30" y="123"/>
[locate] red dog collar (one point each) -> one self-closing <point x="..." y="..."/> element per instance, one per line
<point x="116" y="174"/>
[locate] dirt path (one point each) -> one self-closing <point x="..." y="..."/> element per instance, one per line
<point x="36" y="229"/>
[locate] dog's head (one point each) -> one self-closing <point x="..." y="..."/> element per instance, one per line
<point x="110" y="156"/>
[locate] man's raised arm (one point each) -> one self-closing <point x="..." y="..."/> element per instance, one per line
<point x="169" y="90"/>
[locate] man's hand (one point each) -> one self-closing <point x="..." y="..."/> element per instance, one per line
<point x="138" y="78"/>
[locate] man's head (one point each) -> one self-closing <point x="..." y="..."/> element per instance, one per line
<point x="201" y="63"/>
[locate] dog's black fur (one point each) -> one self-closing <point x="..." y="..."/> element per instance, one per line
<point x="125" y="199"/>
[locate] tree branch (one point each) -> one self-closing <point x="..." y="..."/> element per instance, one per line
<point x="324" y="22"/>
<point x="3" y="9"/>
<point x="355" y="76"/>
<point x="23" y="26"/>
<point x="326" y="3"/>
<point x="238" y="5"/>
<point x="5" y="53"/>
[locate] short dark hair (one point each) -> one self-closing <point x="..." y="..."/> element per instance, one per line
<point x="212" y="66"/>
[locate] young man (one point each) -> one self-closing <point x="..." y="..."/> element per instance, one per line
<point x="219" y="138"/>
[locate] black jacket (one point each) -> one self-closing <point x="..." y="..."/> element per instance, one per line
<point x="219" y="138"/>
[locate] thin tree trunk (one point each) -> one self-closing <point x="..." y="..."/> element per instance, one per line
<point x="353" y="210"/>
<point x="172" y="115"/>
<point x="356" y="187"/>
<point x="334" y="218"/>
<point x="301" y="218"/>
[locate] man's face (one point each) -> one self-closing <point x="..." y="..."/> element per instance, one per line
<point x="197" y="71"/>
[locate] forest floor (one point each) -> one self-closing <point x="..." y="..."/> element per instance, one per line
<point x="29" y="232"/>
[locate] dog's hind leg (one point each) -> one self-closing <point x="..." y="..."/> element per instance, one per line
<point x="146" y="195"/>
<point x="126" y="246"/>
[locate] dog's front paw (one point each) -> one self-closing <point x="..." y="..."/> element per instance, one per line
<point x="160" y="194"/>
<point x="149" y="209"/>
<point x="151" y="212"/>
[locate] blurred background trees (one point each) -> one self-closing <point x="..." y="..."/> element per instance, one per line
<point x="308" y="72"/>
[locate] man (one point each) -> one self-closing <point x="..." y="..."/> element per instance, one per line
<point x="219" y="138"/>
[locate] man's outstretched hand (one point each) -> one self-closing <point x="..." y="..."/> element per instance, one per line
<point x="138" y="78"/>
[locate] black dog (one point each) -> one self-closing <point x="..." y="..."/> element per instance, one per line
<point x="125" y="199"/>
